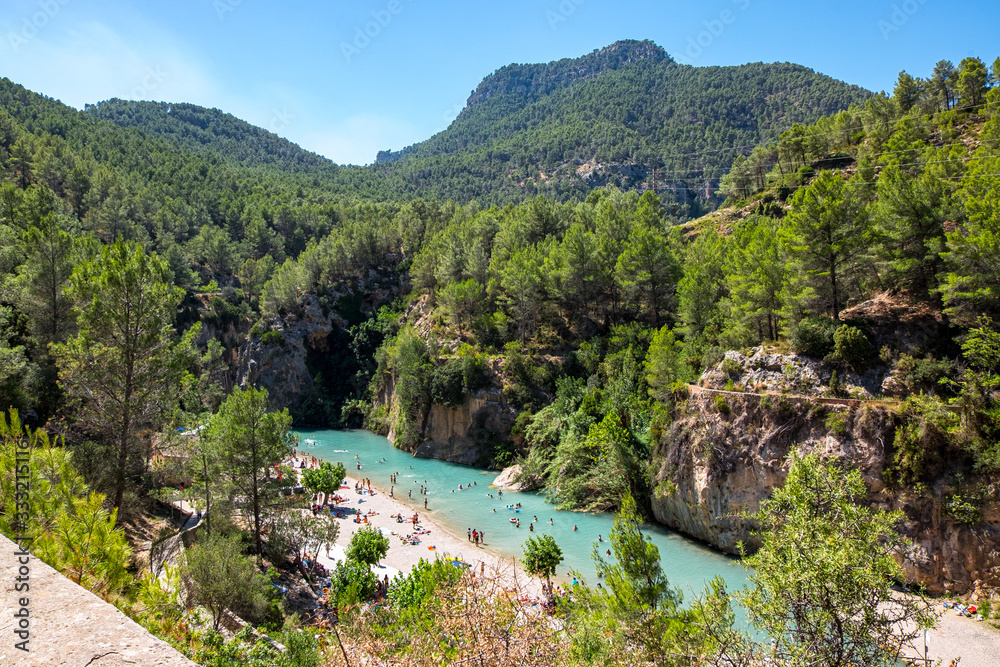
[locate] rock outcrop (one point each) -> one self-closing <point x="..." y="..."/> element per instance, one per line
<point x="276" y="354"/>
<point x="726" y="451"/>
<point x="510" y="480"/>
<point x="468" y="433"/>
<point x="275" y="359"/>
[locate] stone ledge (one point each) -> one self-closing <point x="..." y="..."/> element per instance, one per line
<point x="72" y="626"/>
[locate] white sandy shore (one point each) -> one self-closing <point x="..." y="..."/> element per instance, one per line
<point x="977" y="644"/>
<point x="401" y="556"/>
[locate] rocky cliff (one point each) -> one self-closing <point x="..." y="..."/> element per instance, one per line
<point x="275" y="358"/>
<point x="466" y="434"/>
<point x="726" y="451"/>
<point x="305" y="355"/>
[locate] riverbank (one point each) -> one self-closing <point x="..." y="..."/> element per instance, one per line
<point x="380" y="509"/>
<point x="976" y="643"/>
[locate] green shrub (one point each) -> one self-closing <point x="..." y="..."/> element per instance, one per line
<point x="447" y="380"/>
<point x="836" y="424"/>
<point x="835" y="388"/>
<point x="410" y="590"/>
<point x="680" y="390"/>
<point x="923" y="374"/>
<point x="272" y="338"/>
<point x="922" y="440"/>
<point x="851" y="346"/>
<point x="813" y="336"/>
<point x="352" y="582"/>
<point x="963" y="510"/>
<point x="722" y="405"/>
<point x="731" y="367"/>
<point x="474" y="372"/>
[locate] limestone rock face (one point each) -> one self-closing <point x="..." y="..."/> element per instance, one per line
<point x="280" y="367"/>
<point x="467" y="433"/>
<point x="713" y="465"/>
<point x="507" y="480"/>
<point x="763" y="371"/>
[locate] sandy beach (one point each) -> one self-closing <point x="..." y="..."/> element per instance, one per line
<point x="976" y="643"/>
<point x="380" y="510"/>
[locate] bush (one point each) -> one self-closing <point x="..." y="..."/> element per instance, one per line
<point x="272" y="338"/>
<point x="217" y="575"/>
<point x="813" y="336"/>
<point x="922" y="442"/>
<point x="474" y="373"/>
<point x="351" y="582"/>
<point x="731" y="367"/>
<point x="851" y="347"/>
<point x="835" y="387"/>
<point x="836" y="424"/>
<point x="923" y="374"/>
<point x="302" y="649"/>
<point x="721" y="404"/>
<point x="963" y="510"/>
<point x="367" y="546"/>
<point x="446" y="383"/>
<point x="424" y="579"/>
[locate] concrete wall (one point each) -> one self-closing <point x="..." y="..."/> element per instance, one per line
<point x="69" y="625"/>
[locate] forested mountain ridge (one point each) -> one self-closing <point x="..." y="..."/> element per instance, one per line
<point x="626" y="115"/>
<point x="212" y="131"/>
<point x="531" y="81"/>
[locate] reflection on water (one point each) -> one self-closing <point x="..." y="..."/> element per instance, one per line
<point x="477" y="505"/>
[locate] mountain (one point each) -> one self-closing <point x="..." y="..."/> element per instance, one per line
<point x="211" y="131"/>
<point x="626" y="115"/>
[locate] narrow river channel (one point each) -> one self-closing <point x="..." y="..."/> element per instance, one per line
<point x="688" y="564"/>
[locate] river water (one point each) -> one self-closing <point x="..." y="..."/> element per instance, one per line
<point x="688" y="564"/>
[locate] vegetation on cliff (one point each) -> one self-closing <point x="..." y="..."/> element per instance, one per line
<point x="588" y="309"/>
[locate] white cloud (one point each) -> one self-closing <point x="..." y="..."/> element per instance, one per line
<point x="89" y="62"/>
<point x="358" y="138"/>
<point x="79" y="60"/>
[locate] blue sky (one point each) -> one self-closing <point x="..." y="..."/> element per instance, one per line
<point x="308" y="71"/>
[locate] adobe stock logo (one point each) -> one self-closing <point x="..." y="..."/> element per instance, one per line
<point x="30" y="25"/>
<point x="901" y="13"/>
<point x="363" y="35"/>
<point x="154" y="76"/>
<point x="561" y="13"/>
<point x="713" y="30"/>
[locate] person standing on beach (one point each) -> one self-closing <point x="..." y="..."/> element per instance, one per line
<point x="468" y="532"/>
<point x="425" y="503"/>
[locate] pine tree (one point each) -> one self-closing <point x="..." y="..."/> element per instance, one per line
<point x="123" y="369"/>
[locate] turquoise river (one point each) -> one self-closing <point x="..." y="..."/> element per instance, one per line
<point x="688" y="564"/>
